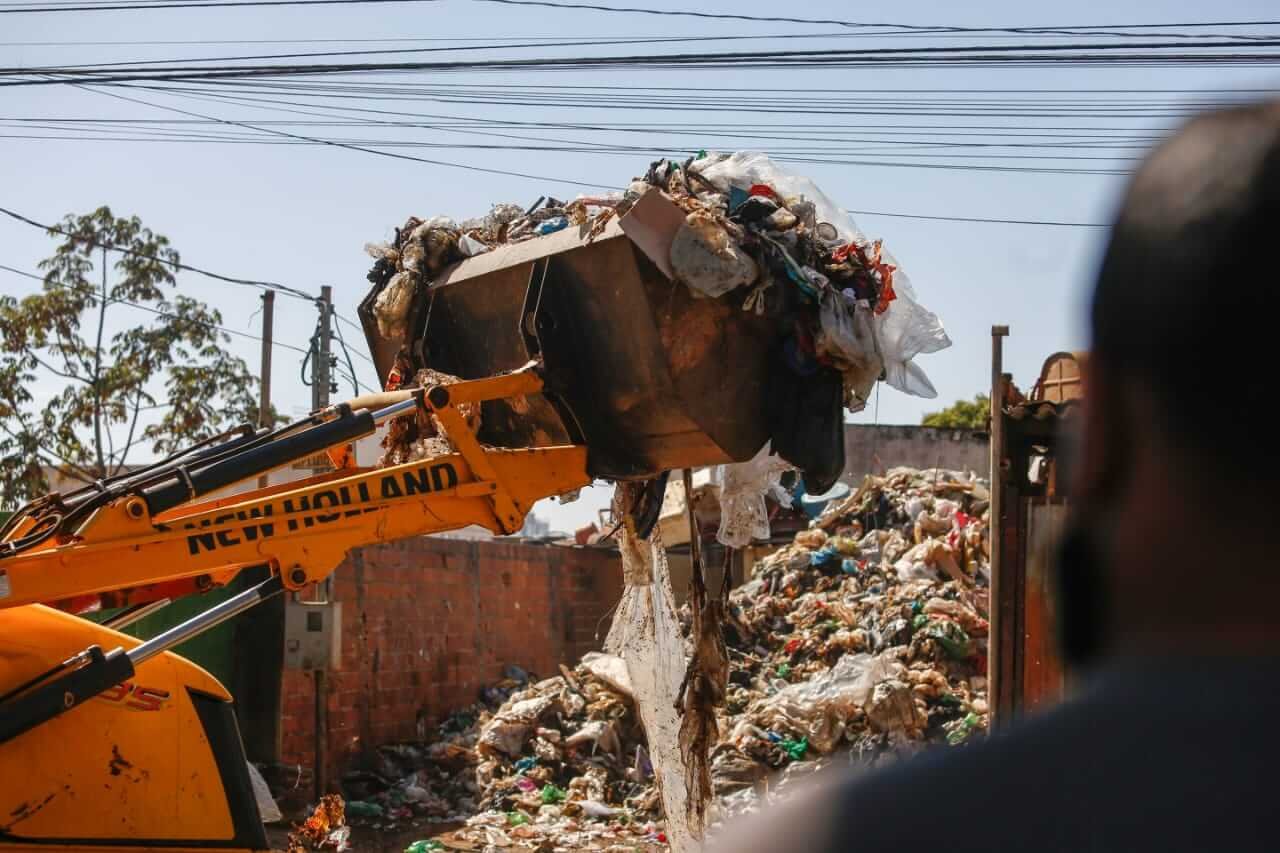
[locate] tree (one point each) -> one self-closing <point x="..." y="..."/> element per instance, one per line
<point x="164" y="383"/>
<point x="962" y="414"/>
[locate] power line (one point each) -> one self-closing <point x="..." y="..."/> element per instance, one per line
<point x="120" y="7"/>
<point x="358" y="328"/>
<point x="781" y="155"/>
<point x="533" y="40"/>
<point x="265" y="285"/>
<point x="824" y="156"/>
<point x="795" y="159"/>
<point x="982" y="219"/>
<point x="1096" y="29"/>
<point x="345" y="145"/>
<point x="347" y="352"/>
<point x="928" y="29"/>
<point x="365" y="147"/>
<point x="21" y="272"/>
<point x="117" y="300"/>
<point x="382" y="51"/>
<point x="1147" y="54"/>
<point x="366" y="94"/>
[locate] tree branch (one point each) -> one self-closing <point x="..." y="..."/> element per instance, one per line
<point x="40" y="361"/>
<point x="97" y="371"/>
<point x="128" y="443"/>
<point x="84" y="472"/>
<point x="64" y="348"/>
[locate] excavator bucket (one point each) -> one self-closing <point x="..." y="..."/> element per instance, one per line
<point x="649" y="377"/>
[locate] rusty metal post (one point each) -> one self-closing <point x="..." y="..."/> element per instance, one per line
<point x="264" y="374"/>
<point x="995" y="528"/>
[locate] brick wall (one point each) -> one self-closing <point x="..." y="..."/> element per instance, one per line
<point x="427" y="622"/>
<point x="874" y="449"/>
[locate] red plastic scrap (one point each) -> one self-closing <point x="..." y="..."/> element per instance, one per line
<point x="314" y="832"/>
<point x="764" y="190"/>
<point x="869" y="258"/>
<point x="886" y="276"/>
<point x="841" y="253"/>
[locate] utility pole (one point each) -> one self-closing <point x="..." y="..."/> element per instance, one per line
<point x="322" y="384"/>
<point x="996" y="688"/>
<point x="258" y="680"/>
<point x="264" y="375"/>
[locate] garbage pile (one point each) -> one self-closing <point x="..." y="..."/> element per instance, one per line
<point x="432" y="781"/>
<point x="861" y="641"/>
<point x="563" y="757"/>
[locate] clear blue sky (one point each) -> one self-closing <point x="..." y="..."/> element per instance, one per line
<point x="300" y="214"/>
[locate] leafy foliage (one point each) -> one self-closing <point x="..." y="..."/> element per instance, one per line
<point x="79" y="398"/>
<point x="963" y="414"/>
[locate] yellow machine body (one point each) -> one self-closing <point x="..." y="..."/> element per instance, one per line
<point x="152" y="760"/>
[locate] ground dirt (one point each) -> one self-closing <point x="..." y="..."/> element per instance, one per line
<point x="365" y="839"/>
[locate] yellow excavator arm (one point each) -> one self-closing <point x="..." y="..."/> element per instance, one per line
<point x="157" y="530"/>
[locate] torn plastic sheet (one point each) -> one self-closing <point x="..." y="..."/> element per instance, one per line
<point x="646" y="634"/>
<point x="906" y="328"/>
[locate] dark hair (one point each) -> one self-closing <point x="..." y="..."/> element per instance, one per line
<point x="1186" y="299"/>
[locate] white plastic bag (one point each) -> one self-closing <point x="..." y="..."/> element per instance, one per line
<point x="819" y="707"/>
<point x="744" y="516"/>
<point x="470" y="246"/>
<point x="267" y="808"/>
<point x="707" y="260"/>
<point x="906" y="329"/>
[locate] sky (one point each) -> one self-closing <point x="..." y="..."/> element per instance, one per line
<point x="300" y="214"/>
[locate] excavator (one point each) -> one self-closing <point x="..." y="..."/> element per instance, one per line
<point x="586" y="361"/>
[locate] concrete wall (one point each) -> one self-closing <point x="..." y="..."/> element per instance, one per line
<point x="873" y="449"/>
<point x="428" y="622"/>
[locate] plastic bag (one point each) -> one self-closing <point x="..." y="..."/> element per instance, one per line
<point x="599" y="734"/>
<point x="892" y="708"/>
<point x="818" y="708"/>
<point x="744" y="516"/>
<point x="391" y="308"/>
<point x="470" y="246"/>
<point x="646" y="634"/>
<point x="508" y="730"/>
<point x="267" y="808"/>
<point x="707" y="260"/>
<point x="610" y="669"/>
<point x="907" y="328"/>
<point x="846" y="334"/>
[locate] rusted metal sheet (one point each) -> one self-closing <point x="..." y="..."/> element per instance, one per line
<point x="1043" y="681"/>
<point x="1026" y="670"/>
